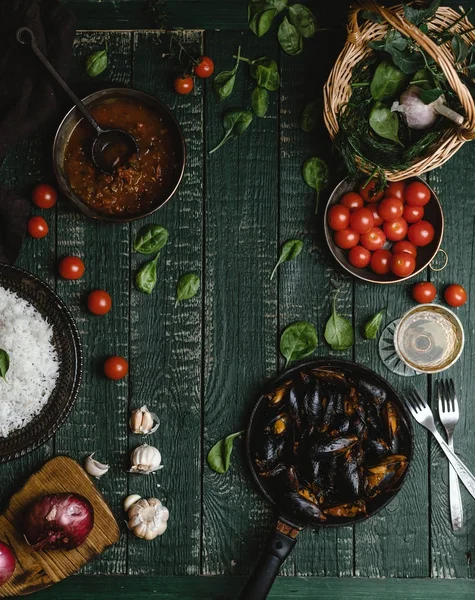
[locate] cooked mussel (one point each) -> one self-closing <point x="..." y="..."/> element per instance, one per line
<point x="328" y="446"/>
<point x="312" y="406"/>
<point x="349" y="510"/>
<point x="304" y="510"/>
<point x="270" y="452"/>
<point x="349" y="481"/>
<point x="393" y="422"/>
<point x="384" y="475"/>
<point x="371" y="392"/>
<point x="277" y="396"/>
<point x="376" y="448"/>
<point x="279" y="425"/>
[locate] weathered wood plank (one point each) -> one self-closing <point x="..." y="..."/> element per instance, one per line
<point x="165" y="341"/>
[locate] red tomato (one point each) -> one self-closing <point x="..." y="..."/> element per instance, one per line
<point x="455" y="295"/>
<point x="339" y="217"/>
<point x="376" y="218"/>
<point x="373" y="240"/>
<point x="183" y="84"/>
<point x="421" y="233"/>
<point x="346" y="239"/>
<point x="390" y="209"/>
<point x="403" y="264"/>
<point x="413" y="214"/>
<point x="361" y="220"/>
<point x="44" y="196"/>
<point x="424" y="292"/>
<point x="380" y="261"/>
<point x="205" y="67"/>
<point x="395" y="189"/>
<point x="417" y="194"/>
<point x="352" y="200"/>
<point x="116" y="367"/>
<point x="359" y="257"/>
<point x="404" y="246"/>
<point x="368" y="191"/>
<point x="396" y="230"/>
<point x="99" y="302"/>
<point x="71" y="267"/>
<point x="37" y="227"/>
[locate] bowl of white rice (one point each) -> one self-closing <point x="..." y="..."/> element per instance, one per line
<point x="41" y="339"/>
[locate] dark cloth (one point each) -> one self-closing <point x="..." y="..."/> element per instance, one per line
<point x="27" y="95"/>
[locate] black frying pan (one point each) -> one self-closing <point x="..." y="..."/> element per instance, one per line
<point x="283" y="539"/>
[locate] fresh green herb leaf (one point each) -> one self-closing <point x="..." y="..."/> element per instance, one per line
<point x="460" y="48"/>
<point x="310" y="116"/>
<point x="384" y="122"/>
<point x="266" y="72"/>
<point x="96" y="62"/>
<point x="4" y="363"/>
<point x="419" y="15"/>
<point x="150" y="239"/>
<point x="298" y="341"/>
<point x="429" y="96"/>
<point x="423" y="79"/>
<point x="290" y="250"/>
<point x="235" y="123"/>
<point x="315" y="174"/>
<point x="302" y="19"/>
<point x="372" y="326"/>
<point x="339" y="331"/>
<point x="388" y="81"/>
<point x="224" y="82"/>
<point x="260" y="19"/>
<point x="219" y="457"/>
<point x="370" y="15"/>
<point x="403" y="55"/>
<point x="147" y="276"/>
<point x="187" y="287"/>
<point x="260" y="101"/>
<point x="290" y="39"/>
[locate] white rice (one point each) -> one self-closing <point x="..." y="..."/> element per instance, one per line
<point x="34" y="364"/>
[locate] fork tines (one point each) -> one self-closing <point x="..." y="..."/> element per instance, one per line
<point x="446" y="395"/>
<point x="413" y="401"/>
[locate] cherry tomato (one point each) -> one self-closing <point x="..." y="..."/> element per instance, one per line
<point x="359" y="257"/>
<point x="99" y="302"/>
<point x="205" y="67"/>
<point x="395" y="189"/>
<point x="71" y="267"/>
<point x="380" y="261"/>
<point x="373" y="240"/>
<point x="413" y="214"/>
<point x="352" y="200"/>
<point x="404" y="246"/>
<point x="455" y="295"/>
<point x="424" y="292"/>
<point x="116" y="367"/>
<point x="339" y="217"/>
<point x="183" y="84"/>
<point x="377" y="221"/>
<point x="403" y="264"/>
<point x="390" y="209"/>
<point x="361" y="220"/>
<point x="346" y="239"/>
<point x="37" y="227"/>
<point x="44" y="196"/>
<point x="369" y="193"/>
<point x="395" y="231"/>
<point x="417" y="194"/>
<point x="421" y="233"/>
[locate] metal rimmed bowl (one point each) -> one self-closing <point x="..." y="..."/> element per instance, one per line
<point x="425" y="255"/>
<point x="73" y="117"/>
<point x="68" y="346"/>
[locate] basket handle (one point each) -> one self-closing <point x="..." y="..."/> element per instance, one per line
<point x="355" y="36"/>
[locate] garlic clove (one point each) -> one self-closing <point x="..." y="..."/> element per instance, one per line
<point x="145" y="459"/>
<point x="94" y="467"/>
<point x="147" y="519"/>
<point x="144" y="422"/>
<point x="130" y="501"/>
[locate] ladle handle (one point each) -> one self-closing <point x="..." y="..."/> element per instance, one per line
<point x="25" y="35"/>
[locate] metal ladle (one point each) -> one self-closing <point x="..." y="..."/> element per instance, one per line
<point x="111" y="147"/>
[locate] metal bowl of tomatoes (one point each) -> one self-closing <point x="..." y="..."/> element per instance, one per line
<point x="384" y="235"/>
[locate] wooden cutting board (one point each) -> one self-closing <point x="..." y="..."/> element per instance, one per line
<point x="37" y="570"/>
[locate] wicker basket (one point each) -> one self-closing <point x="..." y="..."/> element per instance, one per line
<point x="337" y="90"/>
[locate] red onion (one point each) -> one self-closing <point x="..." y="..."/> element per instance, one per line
<point x="58" y="521"/>
<point x="7" y="563"/>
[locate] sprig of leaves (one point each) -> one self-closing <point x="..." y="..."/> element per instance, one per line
<point x="235" y="123"/>
<point x="290" y="250"/>
<point x="419" y="15"/>
<point x="223" y="83"/>
<point x="219" y="457"/>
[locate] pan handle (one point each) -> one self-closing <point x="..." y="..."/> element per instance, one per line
<point x="277" y="548"/>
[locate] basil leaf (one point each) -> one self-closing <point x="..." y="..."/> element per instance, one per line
<point x="223" y="83"/>
<point x="290" y="250"/>
<point x="387" y="81"/>
<point x="460" y="48"/>
<point x="150" y="239"/>
<point x="260" y="22"/>
<point x="423" y="79"/>
<point x="384" y="122"/>
<point x="187" y="287"/>
<point x="4" y="363"/>
<point x="235" y="123"/>
<point x="404" y="57"/>
<point x="372" y="326"/>
<point x="310" y="116"/>
<point x="298" y="341"/>
<point x="315" y="175"/>
<point x="302" y="19"/>
<point x="266" y="72"/>
<point x="339" y="331"/>
<point x="260" y="101"/>
<point x="290" y="39"/>
<point x="219" y="457"/>
<point x="147" y="276"/>
<point x="419" y="15"/>
<point x="96" y="63"/>
<point x="428" y="96"/>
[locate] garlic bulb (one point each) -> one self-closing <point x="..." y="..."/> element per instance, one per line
<point x="143" y="421"/>
<point x="94" y="467"/>
<point x="419" y="115"/>
<point x="147" y="519"/>
<point x="145" y="459"/>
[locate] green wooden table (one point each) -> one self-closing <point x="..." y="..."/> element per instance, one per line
<point x="200" y="365"/>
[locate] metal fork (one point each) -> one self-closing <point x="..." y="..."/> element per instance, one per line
<point x="449" y="416"/>
<point x="422" y="413"/>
